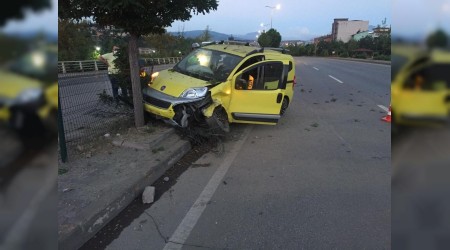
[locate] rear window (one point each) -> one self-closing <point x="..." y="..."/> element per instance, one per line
<point x="397" y="62"/>
<point x="433" y="77"/>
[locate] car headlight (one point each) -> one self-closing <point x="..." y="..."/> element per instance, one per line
<point x="194" y="92"/>
<point x="29" y="95"/>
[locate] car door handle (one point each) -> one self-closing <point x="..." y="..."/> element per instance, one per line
<point x="279" y="97"/>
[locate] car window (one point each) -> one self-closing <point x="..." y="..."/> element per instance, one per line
<point x="263" y="77"/>
<point x="430" y="78"/>
<point x="251" y="61"/>
<point x="208" y="65"/>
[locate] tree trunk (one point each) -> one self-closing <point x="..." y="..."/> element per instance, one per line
<point x="135" y="81"/>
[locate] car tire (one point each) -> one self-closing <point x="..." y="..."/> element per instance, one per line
<point x="284" y="106"/>
<point x="218" y="122"/>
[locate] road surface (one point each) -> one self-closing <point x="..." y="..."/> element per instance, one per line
<point x="320" y="179"/>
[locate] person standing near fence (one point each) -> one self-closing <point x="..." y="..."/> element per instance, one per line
<point x="108" y="59"/>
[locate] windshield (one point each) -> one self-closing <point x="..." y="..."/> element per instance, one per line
<point x="397" y="62"/>
<point x="38" y="64"/>
<point x="208" y="65"/>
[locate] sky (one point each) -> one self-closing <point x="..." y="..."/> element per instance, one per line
<point x="295" y="20"/>
<point x="46" y="21"/>
<point x="418" y="18"/>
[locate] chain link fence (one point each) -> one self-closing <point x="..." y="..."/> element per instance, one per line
<point x="87" y="107"/>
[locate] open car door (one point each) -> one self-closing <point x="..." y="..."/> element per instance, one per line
<point x="258" y="92"/>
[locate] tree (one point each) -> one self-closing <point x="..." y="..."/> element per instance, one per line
<point x="437" y="39"/>
<point x="137" y="18"/>
<point x="264" y="40"/>
<point x="271" y="38"/>
<point x="74" y="41"/>
<point x="206" y="35"/>
<point x="16" y="9"/>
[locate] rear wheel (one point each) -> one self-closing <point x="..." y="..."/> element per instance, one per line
<point x="284" y="106"/>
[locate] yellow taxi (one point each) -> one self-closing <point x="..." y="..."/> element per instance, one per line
<point x="420" y="86"/>
<point x="223" y="83"/>
<point x="29" y="92"/>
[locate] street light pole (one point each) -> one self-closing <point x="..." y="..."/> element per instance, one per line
<point x="278" y="7"/>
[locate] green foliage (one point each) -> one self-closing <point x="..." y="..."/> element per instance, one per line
<point x="11" y="47"/>
<point x="264" y="40"/>
<point x="437" y="39"/>
<point x="381" y="46"/>
<point x="138" y="17"/>
<point x="206" y="36"/>
<point x="74" y="41"/>
<point x="271" y="38"/>
<point x="382" y="57"/>
<point x="18" y="9"/>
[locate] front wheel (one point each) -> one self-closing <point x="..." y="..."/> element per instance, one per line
<point x="218" y="122"/>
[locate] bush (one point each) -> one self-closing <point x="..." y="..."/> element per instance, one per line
<point x="382" y="57"/>
<point x="344" y="54"/>
<point x="361" y="56"/>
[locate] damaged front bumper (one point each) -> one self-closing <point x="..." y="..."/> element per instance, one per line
<point x="176" y="110"/>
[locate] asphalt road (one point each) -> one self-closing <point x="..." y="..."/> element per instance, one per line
<point x="420" y="188"/>
<point x="320" y="179"/>
<point x="28" y="196"/>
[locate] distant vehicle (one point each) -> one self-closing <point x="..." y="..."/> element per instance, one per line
<point x="420" y="86"/>
<point x="220" y="84"/>
<point x="29" y="92"/>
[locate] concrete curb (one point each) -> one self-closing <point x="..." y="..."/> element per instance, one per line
<point x="362" y="60"/>
<point x="93" y="217"/>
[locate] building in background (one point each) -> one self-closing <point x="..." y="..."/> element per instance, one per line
<point x="327" y="38"/>
<point x="376" y="32"/>
<point x="343" y="29"/>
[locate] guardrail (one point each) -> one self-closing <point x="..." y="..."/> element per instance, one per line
<point x="93" y="65"/>
<point x="158" y="61"/>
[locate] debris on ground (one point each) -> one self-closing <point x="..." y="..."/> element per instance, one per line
<point x="148" y="196"/>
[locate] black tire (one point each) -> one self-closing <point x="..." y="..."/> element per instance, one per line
<point x="218" y="122"/>
<point x="284" y="106"/>
<point x="26" y="123"/>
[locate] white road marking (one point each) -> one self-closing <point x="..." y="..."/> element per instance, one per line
<point x="183" y="230"/>
<point x="383" y="108"/>
<point x="337" y="80"/>
<point x="315" y="68"/>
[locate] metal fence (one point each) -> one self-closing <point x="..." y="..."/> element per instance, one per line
<point x="87" y="107"/>
<point x="159" y="61"/>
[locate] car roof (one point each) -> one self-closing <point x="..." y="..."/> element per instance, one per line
<point x="440" y="56"/>
<point x="242" y="50"/>
<point x="239" y="50"/>
<point x="408" y="51"/>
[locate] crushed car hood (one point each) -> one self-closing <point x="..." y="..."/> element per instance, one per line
<point x="173" y="83"/>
